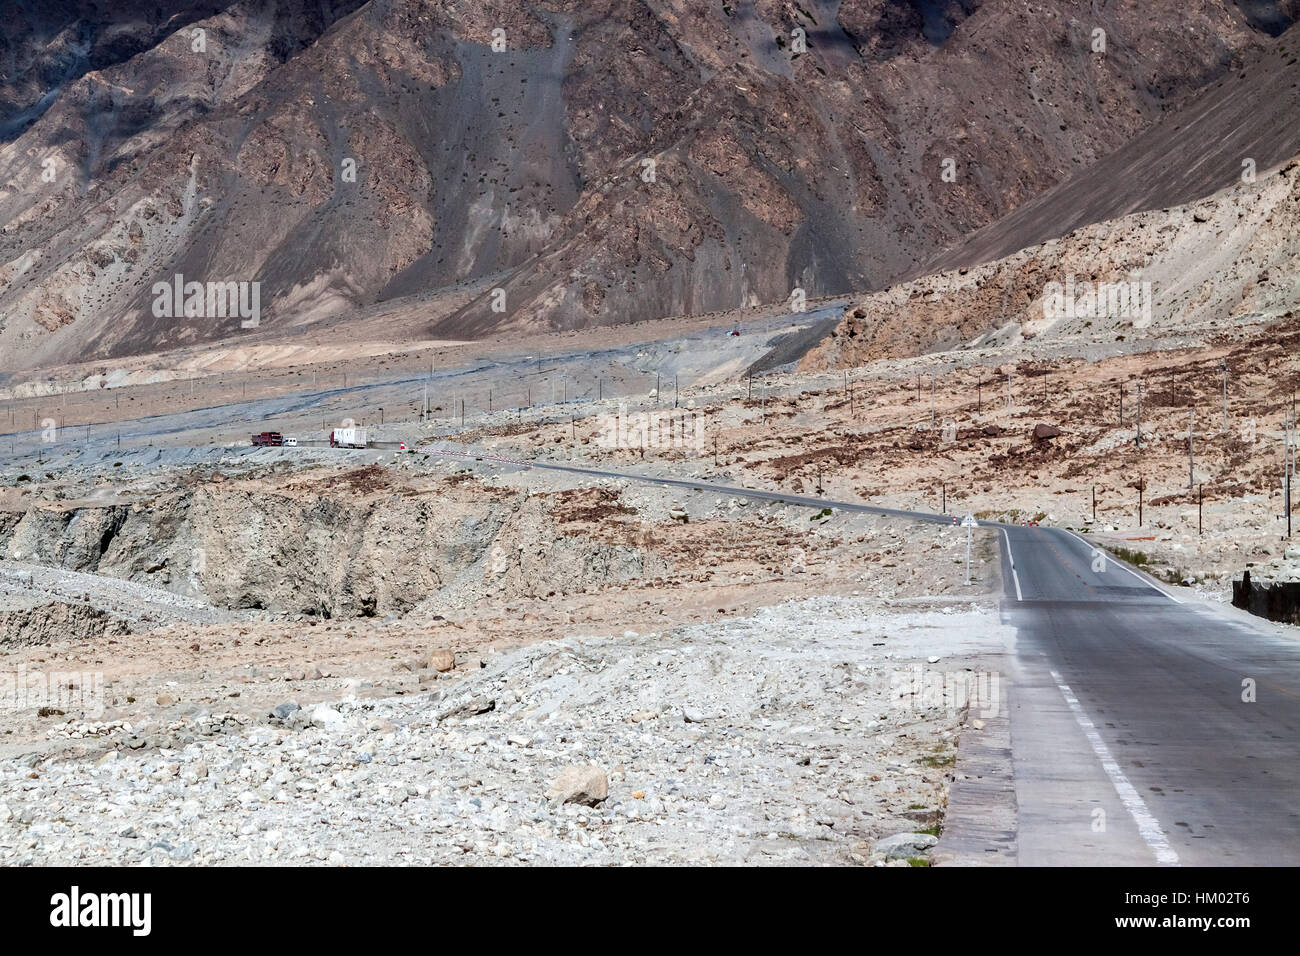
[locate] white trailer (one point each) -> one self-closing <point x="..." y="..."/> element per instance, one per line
<point x="348" y="438"/>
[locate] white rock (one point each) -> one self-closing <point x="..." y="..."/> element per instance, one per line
<point x="586" y="784"/>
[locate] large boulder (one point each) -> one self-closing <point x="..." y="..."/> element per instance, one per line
<point x="904" y="846"/>
<point x="586" y="784"/>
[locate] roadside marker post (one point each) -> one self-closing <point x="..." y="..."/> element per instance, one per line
<point x="968" y="524"/>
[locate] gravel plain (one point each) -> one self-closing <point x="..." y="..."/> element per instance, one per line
<point x="803" y="734"/>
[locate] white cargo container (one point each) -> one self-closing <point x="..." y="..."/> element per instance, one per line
<point x="348" y="438"/>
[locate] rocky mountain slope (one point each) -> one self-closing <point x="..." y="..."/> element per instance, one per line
<point x="792" y="145"/>
<point x="1216" y="238"/>
<point x="1203" y="146"/>
<point x="1231" y="258"/>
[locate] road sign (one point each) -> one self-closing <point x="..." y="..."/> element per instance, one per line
<point x="968" y="524"/>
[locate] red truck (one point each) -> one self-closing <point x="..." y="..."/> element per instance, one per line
<point x="268" y="438"/>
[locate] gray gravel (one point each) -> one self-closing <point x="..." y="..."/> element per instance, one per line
<point x="777" y="739"/>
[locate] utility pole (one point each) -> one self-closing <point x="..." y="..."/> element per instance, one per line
<point x="1120" y="386"/>
<point x="1139" y="419"/>
<point x="1286" y="478"/>
<point x="1141" y="487"/>
<point x="1094" y="504"/>
<point x="674" y="390"/>
<point x="1191" y="459"/>
<point x="943" y="507"/>
<point x="979" y="394"/>
<point x="932" y="402"/>
<point x="1225" y="395"/>
<point x="1200" y="509"/>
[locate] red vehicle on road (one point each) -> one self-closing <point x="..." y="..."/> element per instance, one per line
<point x="268" y="438"/>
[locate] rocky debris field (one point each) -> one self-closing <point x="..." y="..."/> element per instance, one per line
<point x="1015" y="435"/>
<point x="803" y="734"/>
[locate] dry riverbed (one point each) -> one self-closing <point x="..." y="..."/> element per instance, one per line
<point x="804" y="733"/>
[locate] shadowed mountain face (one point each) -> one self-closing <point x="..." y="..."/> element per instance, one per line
<point x="1272" y="16"/>
<point x="1202" y="206"/>
<point x="608" y="161"/>
<point x="1238" y="127"/>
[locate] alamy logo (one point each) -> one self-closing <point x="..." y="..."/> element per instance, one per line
<point x="73" y="909"/>
<point x="678" y="428"/>
<point x="72" y="691"/>
<point x="1093" y="300"/>
<point x="921" y="689"/>
<point x="208" y="300"/>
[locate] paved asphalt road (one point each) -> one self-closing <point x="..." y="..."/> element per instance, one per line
<point x="1130" y="739"/>
<point x="1130" y="700"/>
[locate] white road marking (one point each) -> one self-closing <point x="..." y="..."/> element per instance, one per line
<point x="1012" y="558"/>
<point x="1148" y="826"/>
<point x="1124" y="567"/>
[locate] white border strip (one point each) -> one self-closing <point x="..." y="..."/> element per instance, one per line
<point x="1148" y="826"/>
<point x="1012" y="558"/>
<point x="1116" y="561"/>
